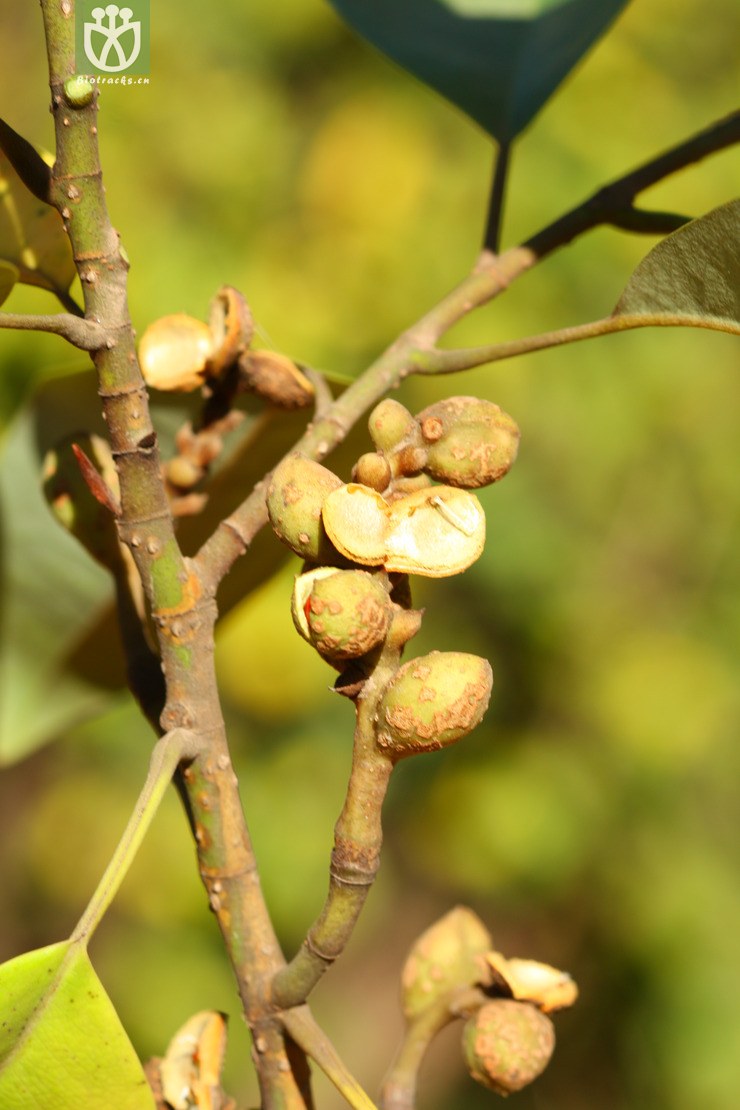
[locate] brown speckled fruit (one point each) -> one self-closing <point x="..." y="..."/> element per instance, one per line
<point x="296" y="493"/>
<point x="507" y="1045"/>
<point x="344" y="615"/>
<point x="469" y="442"/>
<point x="447" y="956"/>
<point x="433" y="702"/>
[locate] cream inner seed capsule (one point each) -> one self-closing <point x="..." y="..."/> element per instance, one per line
<point x="435" y="532"/>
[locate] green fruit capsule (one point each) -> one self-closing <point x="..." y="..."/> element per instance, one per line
<point x="295" y="496"/>
<point x="469" y="443"/>
<point x="446" y="957"/>
<point x="343" y="613"/>
<point x="507" y="1045"/>
<point x="433" y="702"/>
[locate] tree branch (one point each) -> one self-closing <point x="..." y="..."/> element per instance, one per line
<point x="182" y="609"/>
<point x="82" y="333"/>
<point x="399" y="1086"/>
<point x="608" y="205"/>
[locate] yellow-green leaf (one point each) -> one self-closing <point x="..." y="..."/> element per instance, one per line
<point x="691" y="276"/>
<point x="32" y="236"/>
<point x="62" y="1045"/>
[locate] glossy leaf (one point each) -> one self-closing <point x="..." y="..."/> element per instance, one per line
<point x="61" y="1042"/>
<point x="32" y="235"/>
<point x="693" y="274"/>
<point x="498" y="60"/>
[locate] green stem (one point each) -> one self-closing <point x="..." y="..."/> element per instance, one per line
<point x="166" y="756"/>
<point x="464" y="358"/>
<point x="355" y="858"/>
<point x="399" y="1086"/>
<point x="309" y="1036"/>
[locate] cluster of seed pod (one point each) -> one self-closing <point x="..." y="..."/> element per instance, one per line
<point x="408" y="510"/>
<point x="453" y="970"/>
<point x="180" y="353"/>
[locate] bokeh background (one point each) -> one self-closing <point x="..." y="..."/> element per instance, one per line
<point x="592" y="819"/>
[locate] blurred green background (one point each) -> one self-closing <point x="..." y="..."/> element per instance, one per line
<point x="592" y="819"/>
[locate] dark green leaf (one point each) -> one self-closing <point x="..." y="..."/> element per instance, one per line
<point x="498" y="60"/>
<point x="62" y="1044"/>
<point x="692" y="275"/>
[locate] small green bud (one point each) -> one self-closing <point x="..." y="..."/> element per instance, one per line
<point x="78" y="91"/>
<point x="343" y="613"/>
<point x="447" y="956"/>
<point x="507" y="1045"/>
<point x="390" y="424"/>
<point x="469" y="442"/>
<point x="296" y="493"/>
<point x="433" y="702"/>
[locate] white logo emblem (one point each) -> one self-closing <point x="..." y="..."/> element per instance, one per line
<point x="107" y="36"/>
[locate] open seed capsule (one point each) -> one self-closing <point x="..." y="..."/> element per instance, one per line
<point x="435" y="532"/>
<point x="356" y="521"/>
<point x="544" y="986"/>
<point x="276" y="378"/>
<point x="174" y="352"/>
<point x="433" y="702"/>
